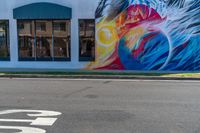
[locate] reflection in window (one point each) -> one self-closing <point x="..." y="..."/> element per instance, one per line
<point x="61" y="38"/>
<point x="26" y="39"/>
<point x="44" y="40"/>
<point x="40" y="26"/>
<point x="59" y="25"/>
<point x="86" y="40"/>
<point x="4" y="40"/>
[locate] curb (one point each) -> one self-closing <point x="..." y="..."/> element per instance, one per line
<point x="129" y="77"/>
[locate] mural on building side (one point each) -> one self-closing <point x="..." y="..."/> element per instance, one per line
<point x="147" y="35"/>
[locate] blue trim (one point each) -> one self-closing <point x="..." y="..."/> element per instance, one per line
<point x="86" y="59"/>
<point x="62" y="59"/>
<point x="27" y="59"/>
<point x="42" y="11"/>
<point x="44" y="59"/>
<point x="4" y="58"/>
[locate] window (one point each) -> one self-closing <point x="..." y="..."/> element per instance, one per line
<point x="26" y="36"/>
<point x="42" y="40"/>
<point x="86" y="40"/>
<point x="59" y="26"/>
<point x="40" y="26"/>
<point x="4" y="40"/>
<point x="61" y="39"/>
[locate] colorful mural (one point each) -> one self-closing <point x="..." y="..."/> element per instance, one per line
<point x="147" y="35"/>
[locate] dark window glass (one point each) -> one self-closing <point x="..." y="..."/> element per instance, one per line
<point x="86" y="40"/>
<point x="44" y="40"/>
<point x="21" y="26"/>
<point x="26" y="36"/>
<point x="4" y="40"/>
<point x="61" y="30"/>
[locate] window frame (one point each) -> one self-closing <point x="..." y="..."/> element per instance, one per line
<point x="86" y="59"/>
<point x="7" y="40"/>
<point x="36" y="59"/>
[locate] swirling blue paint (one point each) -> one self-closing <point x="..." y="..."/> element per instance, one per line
<point x="182" y="34"/>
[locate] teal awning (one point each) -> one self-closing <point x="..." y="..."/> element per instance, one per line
<point x="42" y="11"/>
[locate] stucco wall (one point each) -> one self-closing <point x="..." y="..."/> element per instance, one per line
<point x="80" y="9"/>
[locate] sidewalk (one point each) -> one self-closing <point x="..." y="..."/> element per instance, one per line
<point x="104" y="75"/>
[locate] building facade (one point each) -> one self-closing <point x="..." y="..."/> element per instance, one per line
<point x="161" y="35"/>
<point x="47" y="34"/>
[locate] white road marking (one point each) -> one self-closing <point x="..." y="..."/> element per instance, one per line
<point x="23" y="129"/>
<point x="44" y="121"/>
<point x="36" y="113"/>
<point x="43" y="118"/>
<point x="37" y="122"/>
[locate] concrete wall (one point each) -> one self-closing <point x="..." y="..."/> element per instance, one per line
<point x="80" y="9"/>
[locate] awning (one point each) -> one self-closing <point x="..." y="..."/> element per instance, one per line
<point x="42" y="11"/>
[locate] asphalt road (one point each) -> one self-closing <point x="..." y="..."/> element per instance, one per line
<point x="102" y="106"/>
